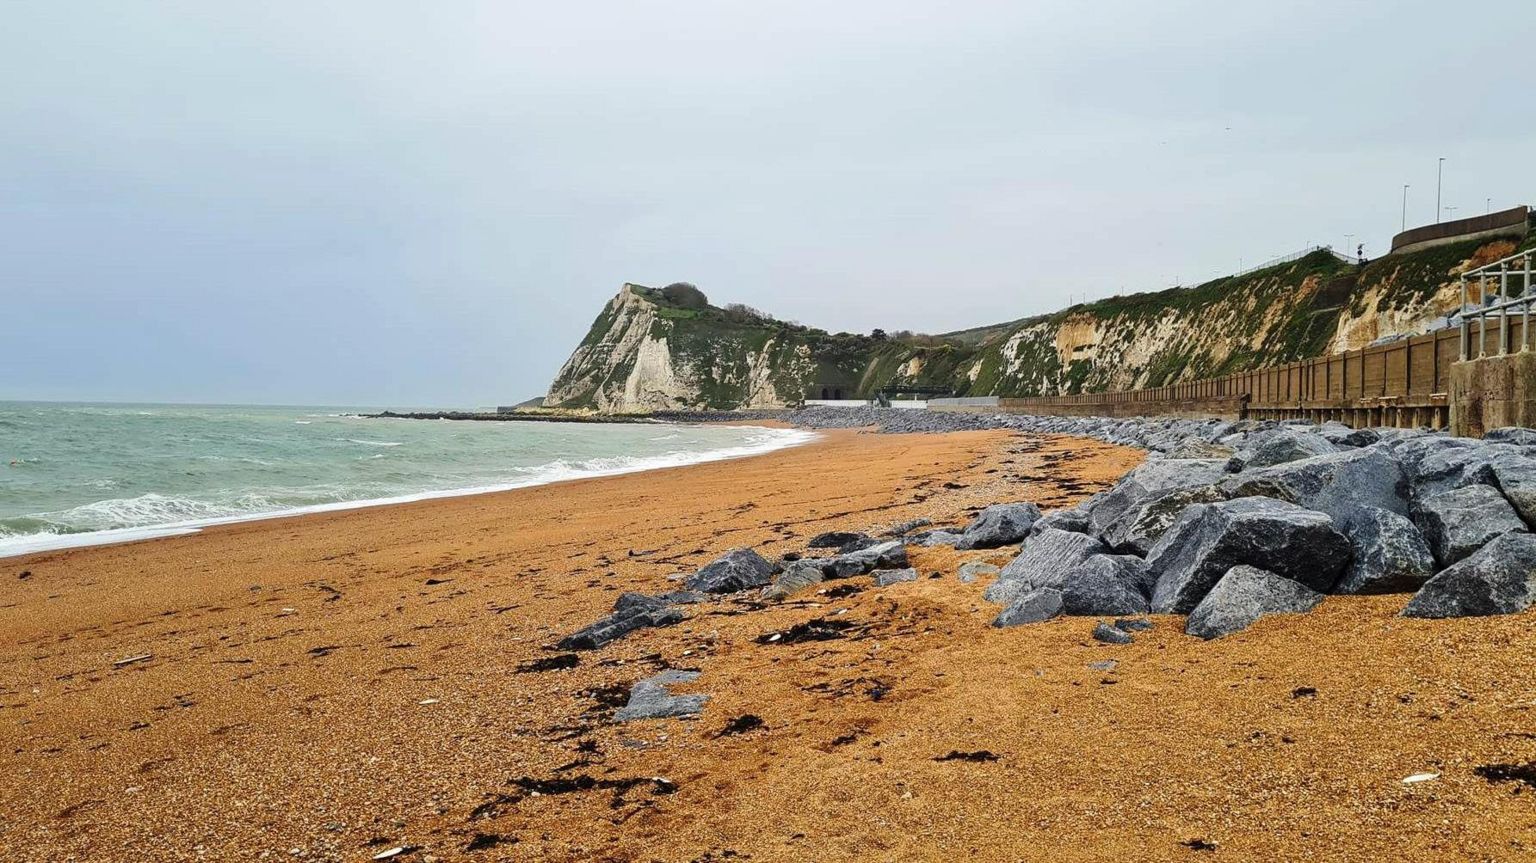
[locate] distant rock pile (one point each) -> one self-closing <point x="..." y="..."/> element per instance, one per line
<point x="1226" y="522"/>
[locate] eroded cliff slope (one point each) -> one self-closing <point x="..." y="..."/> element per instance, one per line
<point x="644" y="353"/>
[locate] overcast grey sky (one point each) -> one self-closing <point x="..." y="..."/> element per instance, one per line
<point x="391" y="203"/>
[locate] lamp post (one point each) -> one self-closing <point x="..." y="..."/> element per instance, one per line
<point x="1405" y="208"/>
<point x="1439" y="174"/>
<point x="1487" y="206"/>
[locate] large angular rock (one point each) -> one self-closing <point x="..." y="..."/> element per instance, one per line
<point x="1152" y="477"/>
<point x="1105" y="584"/>
<point x="886" y="555"/>
<point x="737" y="569"/>
<point x="1391" y="554"/>
<point x="1463" y="520"/>
<point x="1031" y="606"/>
<point x="1209" y="539"/>
<point x="1339" y="484"/>
<point x="1287" y="446"/>
<point x="632" y="611"/>
<point x="1450" y="469"/>
<point x="835" y="538"/>
<point x="804" y="573"/>
<point x="888" y="577"/>
<point x="650" y="699"/>
<point x="1515" y="476"/>
<point x="999" y="524"/>
<point x="1043" y="561"/>
<point x="974" y="569"/>
<point x="798" y="576"/>
<point x="930" y="538"/>
<point x="1517" y="435"/>
<point x="1500" y="578"/>
<point x="1142" y="524"/>
<point x="1245" y="594"/>
<point x="1343" y="436"/>
<point x="1074" y="519"/>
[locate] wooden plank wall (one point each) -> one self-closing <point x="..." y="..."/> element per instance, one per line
<point x="1403" y="383"/>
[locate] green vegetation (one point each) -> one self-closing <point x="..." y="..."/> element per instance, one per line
<point x="725" y="357"/>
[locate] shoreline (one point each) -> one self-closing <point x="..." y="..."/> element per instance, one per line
<point x="286" y="662"/>
<point x="29" y="544"/>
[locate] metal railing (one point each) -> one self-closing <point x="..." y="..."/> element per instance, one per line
<point x="1294" y="256"/>
<point x="1500" y="273"/>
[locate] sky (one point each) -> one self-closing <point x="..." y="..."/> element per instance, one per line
<point x="402" y="204"/>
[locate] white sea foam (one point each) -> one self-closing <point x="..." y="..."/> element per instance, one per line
<point x="164" y="515"/>
<point x="370" y="442"/>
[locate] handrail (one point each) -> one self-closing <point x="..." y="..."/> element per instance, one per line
<point x="1501" y="306"/>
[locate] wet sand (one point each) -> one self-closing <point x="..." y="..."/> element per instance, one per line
<point x="333" y="686"/>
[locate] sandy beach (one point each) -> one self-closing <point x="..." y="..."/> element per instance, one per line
<point x="335" y="686"/>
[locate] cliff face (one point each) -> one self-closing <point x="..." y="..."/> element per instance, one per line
<point x="644" y="354"/>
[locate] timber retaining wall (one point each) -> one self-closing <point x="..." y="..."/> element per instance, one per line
<point x="1405" y="383"/>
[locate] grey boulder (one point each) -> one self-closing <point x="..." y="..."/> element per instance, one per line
<point x="1339" y="484"/>
<point x="632" y="611"/>
<point x="1391" y="554"/>
<point x="737" y="569"/>
<point x="974" y="569"/>
<point x="888" y="577"/>
<point x="1030" y="606"/>
<point x="1500" y="578"/>
<point x="835" y="538"/>
<point x="1043" y="561"/>
<point x="650" y="699"/>
<point x="1517" y="435"/>
<point x="1110" y="635"/>
<point x="1105" y="584"/>
<point x="1245" y="594"/>
<point x="1141" y="525"/>
<point x="999" y="524"/>
<point x="1152" y="477"/>
<point x="1074" y="519"/>
<point x="1209" y="539"/>
<point x="1287" y="446"/>
<point x="796" y="577"/>
<point x="1463" y="520"/>
<point x="930" y="538"/>
<point x="1515" y="476"/>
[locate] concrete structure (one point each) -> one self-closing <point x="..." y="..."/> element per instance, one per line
<point x="1492" y="392"/>
<point x="1513" y="222"/>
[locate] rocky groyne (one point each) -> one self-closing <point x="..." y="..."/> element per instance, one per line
<point x="1225" y="522"/>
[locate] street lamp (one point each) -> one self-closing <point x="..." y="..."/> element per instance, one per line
<point x="1487" y="206"/>
<point x="1405" y="208"/>
<point x="1439" y="174"/>
<point x="1450" y="209"/>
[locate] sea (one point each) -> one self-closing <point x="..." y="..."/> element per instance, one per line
<point x="85" y="474"/>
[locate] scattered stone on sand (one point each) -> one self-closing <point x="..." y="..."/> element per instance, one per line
<point x="1132" y="624"/>
<point x="974" y="569"/>
<point x="835" y="538"/>
<point x="736" y="570"/>
<point x="650" y="698"/>
<point x="903" y="528"/>
<point x="1111" y="635"/>
<point x="888" y="577"/>
<point x="632" y="611"/>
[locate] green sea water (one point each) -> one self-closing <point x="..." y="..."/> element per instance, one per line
<point x="74" y="474"/>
